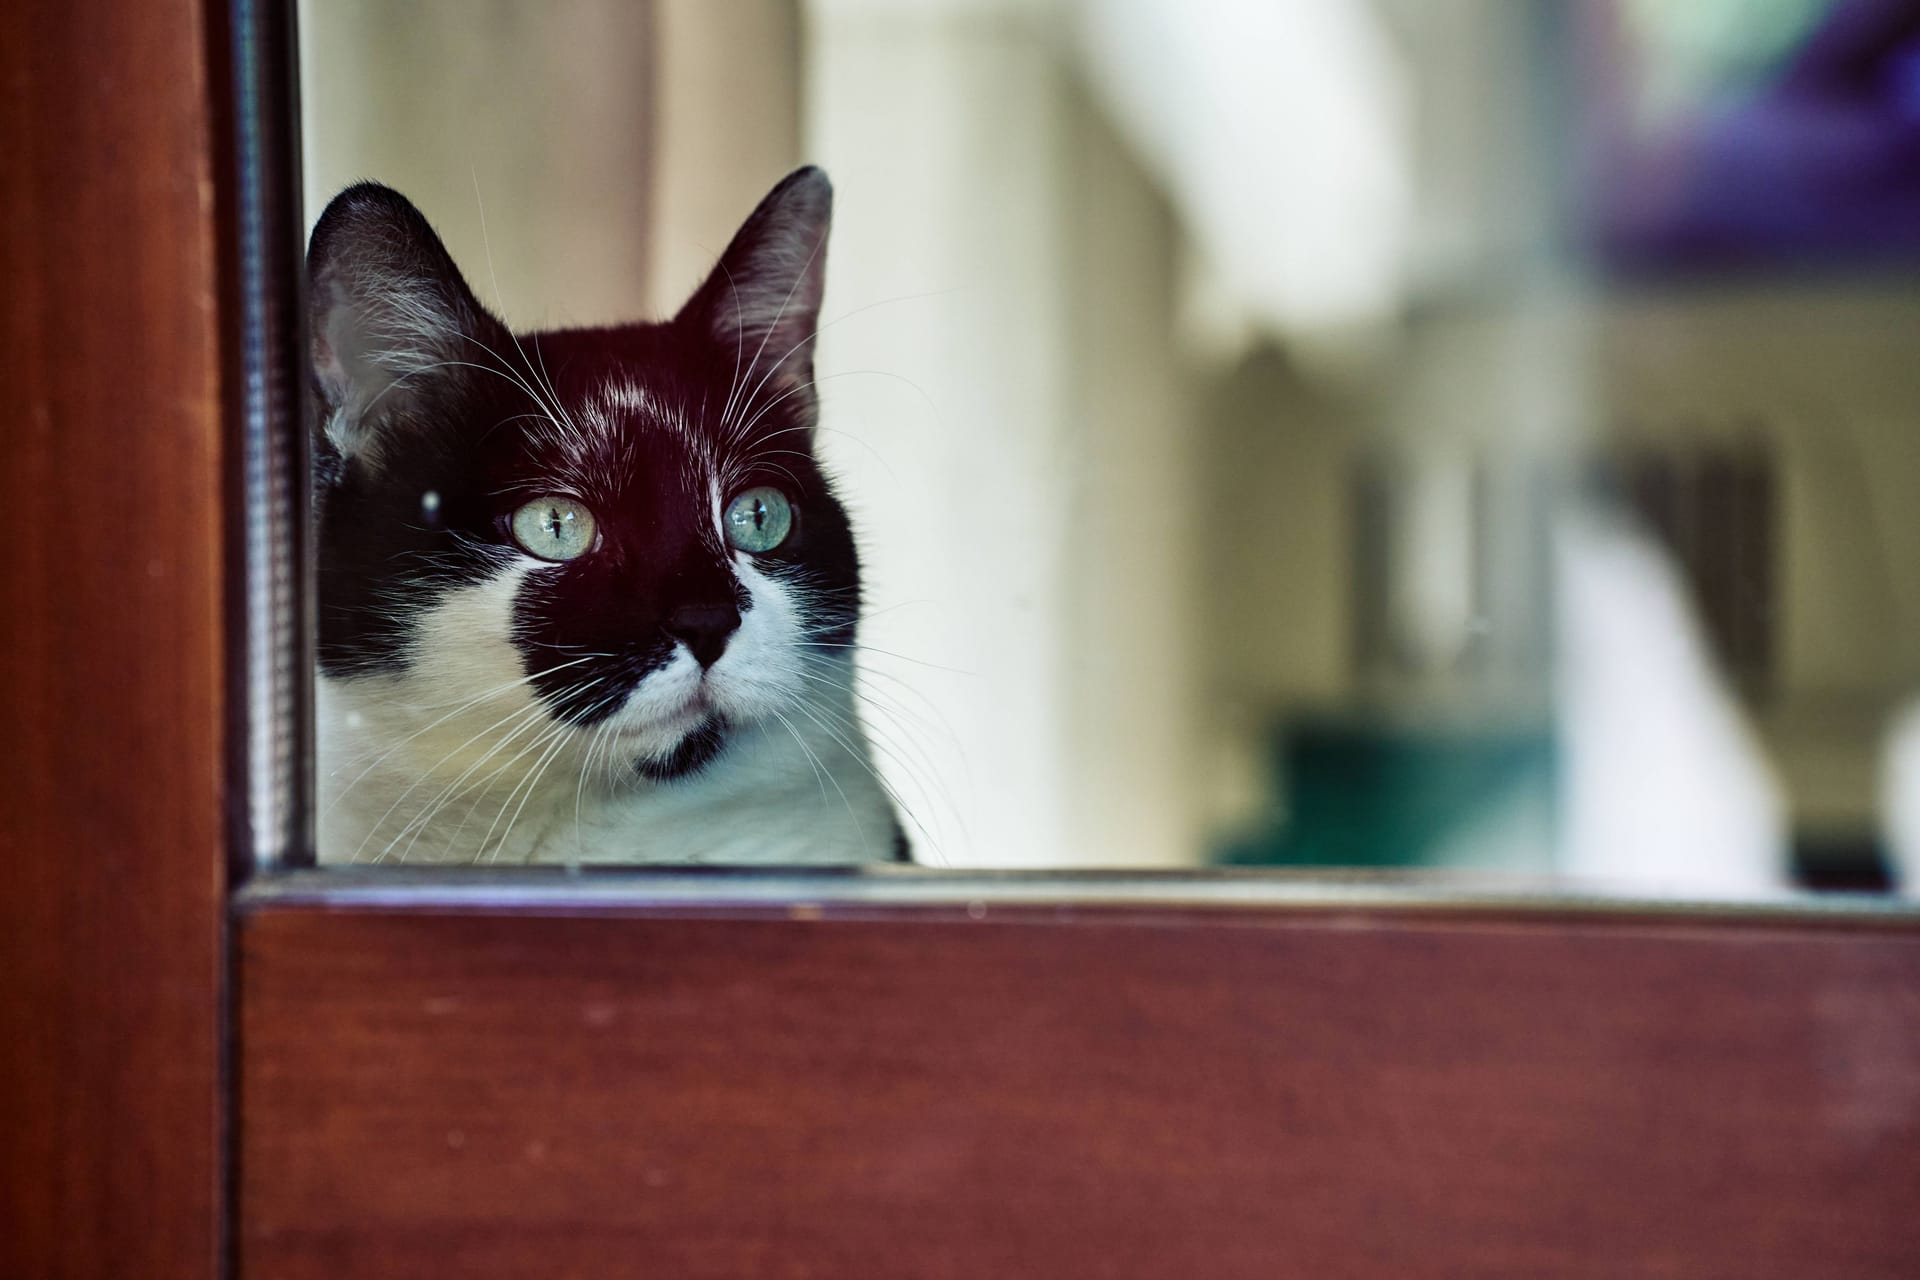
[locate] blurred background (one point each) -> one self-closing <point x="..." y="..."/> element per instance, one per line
<point x="1461" y="433"/>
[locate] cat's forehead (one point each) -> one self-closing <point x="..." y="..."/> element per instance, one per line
<point x="623" y="383"/>
<point x="613" y="431"/>
<point x="621" y="406"/>
<point x="614" y="412"/>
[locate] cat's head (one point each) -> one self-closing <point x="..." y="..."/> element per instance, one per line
<point x="627" y="524"/>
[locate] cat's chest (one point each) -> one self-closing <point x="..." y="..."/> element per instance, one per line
<point x="760" y="805"/>
<point x="772" y="797"/>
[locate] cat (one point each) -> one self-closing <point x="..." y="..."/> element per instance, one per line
<point x="585" y="595"/>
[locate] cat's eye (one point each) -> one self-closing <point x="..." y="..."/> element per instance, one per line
<point x="554" y="528"/>
<point x="759" y="519"/>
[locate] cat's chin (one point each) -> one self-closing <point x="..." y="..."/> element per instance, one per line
<point x="698" y="749"/>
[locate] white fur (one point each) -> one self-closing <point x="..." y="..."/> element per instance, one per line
<point x="457" y="760"/>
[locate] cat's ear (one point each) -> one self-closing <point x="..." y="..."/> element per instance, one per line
<point x="761" y="304"/>
<point x="386" y="307"/>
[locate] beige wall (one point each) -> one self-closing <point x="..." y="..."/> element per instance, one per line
<point x="538" y="116"/>
<point x="1135" y="631"/>
<point x="612" y="145"/>
<point x="727" y="128"/>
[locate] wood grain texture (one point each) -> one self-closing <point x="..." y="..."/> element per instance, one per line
<point x="111" y="818"/>
<point x="1238" y="1094"/>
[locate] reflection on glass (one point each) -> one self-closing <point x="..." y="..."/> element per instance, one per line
<point x="1449" y="433"/>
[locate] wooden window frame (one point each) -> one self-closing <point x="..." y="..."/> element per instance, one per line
<point x="900" y="1072"/>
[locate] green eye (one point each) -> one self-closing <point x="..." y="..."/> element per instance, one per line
<point x="759" y="520"/>
<point x="554" y="528"/>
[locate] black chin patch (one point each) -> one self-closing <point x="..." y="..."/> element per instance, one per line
<point x="695" y="752"/>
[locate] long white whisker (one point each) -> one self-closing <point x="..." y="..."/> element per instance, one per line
<point x="601" y="737"/>
<point x="867" y="648"/>
<point x="818" y="773"/>
<point x="532" y="782"/>
<point x="527" y="716"/>
<point x="780" y="315"/>
<point x="860" y="827"/>
<point x="464" y="707"/>
<point x="739" y="343"/>
<point x="852" y="731"/>
<point x="820" y="329"/>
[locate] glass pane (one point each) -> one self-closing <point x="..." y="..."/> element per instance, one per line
<point x="1461" y="434"/>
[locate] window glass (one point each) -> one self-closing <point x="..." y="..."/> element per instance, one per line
<point x="1460" y="434"/>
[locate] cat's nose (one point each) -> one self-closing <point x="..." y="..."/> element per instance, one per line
<point x="704" y="629"/>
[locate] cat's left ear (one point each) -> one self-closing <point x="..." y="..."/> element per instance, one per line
<point x="761" y="304"/>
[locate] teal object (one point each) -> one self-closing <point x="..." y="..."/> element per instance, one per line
<point x="1365" y="794"/>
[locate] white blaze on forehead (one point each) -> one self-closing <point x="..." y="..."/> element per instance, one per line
<point x="626" y="396"/>
<point x="590" y="438"/>
<point x="626" y="406"/>
<point x="623" y="409"/>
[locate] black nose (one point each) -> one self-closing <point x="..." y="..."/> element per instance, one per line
<point x="704" y="629"/>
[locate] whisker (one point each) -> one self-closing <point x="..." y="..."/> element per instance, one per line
<point x="867" y="648"/>
<point x="532" y="783"/>
<point x="822" y="328"/>
<point x="852" y="730"/>
<point x="526" y="717"/>
<point x="457" y="711"/>
<point x="799" y="277"/>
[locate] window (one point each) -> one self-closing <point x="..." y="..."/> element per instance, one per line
<point x="964" y="1069"/>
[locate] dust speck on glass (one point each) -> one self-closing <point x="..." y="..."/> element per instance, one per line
<point x="1360" y="434"/>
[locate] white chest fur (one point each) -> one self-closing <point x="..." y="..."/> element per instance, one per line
<point x="799" y="792"/>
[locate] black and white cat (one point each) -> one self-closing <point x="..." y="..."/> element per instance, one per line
<point x="585" y="595"/>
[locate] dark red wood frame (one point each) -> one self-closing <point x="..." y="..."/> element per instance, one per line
<point x="702" y="1090"/>
<point x="891" y="1076"/>
<point x="113" y="639"/>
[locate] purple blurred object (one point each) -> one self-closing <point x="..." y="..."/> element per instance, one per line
<point x="1819" y="163"/>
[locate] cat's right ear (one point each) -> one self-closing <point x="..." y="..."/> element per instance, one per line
<point x="760" y="305"/>
<point x="386" y="308"/>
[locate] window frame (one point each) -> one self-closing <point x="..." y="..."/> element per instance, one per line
<point x="955" y="1073"/>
